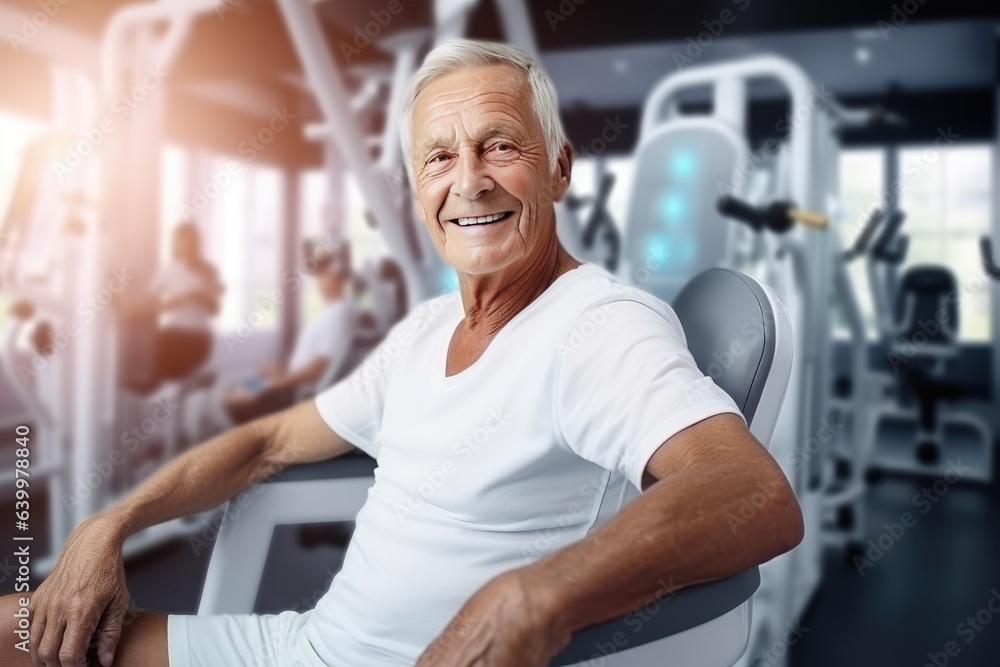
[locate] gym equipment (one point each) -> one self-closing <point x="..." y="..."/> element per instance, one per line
<point x="673" y="230"/>
<point x="599" y="222"/>
<point x="777" y="217"/>
<point x="41" y="239"/>
<point x="918" y="316"/>
<point x="55" y="256"/>
<point x="707" y="624"/>
<point x="685" y="160"/>
<point x="989" y="264"/>
<point x="843" y="508"/>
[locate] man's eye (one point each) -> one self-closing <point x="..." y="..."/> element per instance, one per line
<point x="504" y="147"/>
<point x="440" y="157"/>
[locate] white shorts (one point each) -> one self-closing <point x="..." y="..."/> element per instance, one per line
<point x="240" y="640"/>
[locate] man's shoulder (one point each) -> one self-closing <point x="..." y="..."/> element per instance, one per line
<point x="599" y="289"/>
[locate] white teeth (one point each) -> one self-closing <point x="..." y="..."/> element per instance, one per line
<point x="480" y="220"/>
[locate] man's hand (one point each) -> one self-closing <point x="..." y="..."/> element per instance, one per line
<point x="509" y="622"/>
<point x="85" y="592"/>
<point x="240" y="401"/>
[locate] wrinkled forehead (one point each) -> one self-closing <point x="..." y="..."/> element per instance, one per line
<point x="476" y="96"/>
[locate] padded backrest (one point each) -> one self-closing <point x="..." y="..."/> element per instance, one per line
<point x="928" y="295"/>
<point x="730" y="327"/>
<point x="672" y="229"/>
<point x="733" y="327"/>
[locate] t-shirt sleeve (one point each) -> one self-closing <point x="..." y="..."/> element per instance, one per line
<point x="353" y="407"/>
<point x="626" y="382"/>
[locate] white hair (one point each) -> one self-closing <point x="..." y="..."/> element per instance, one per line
<point x="456" y="54"/>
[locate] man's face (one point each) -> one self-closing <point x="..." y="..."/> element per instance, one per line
<point x="478" y="152"/>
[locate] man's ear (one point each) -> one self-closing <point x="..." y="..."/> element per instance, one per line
<point x="561" y="174"/>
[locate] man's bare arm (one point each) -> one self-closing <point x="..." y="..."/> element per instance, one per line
<point x="677" y="533"/>
<point x="215" y="471"/>
<point x="680" y="530"/>
<point x="86" y="590"/>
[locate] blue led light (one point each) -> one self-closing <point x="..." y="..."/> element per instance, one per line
<point x="682" y="164"/>
<point x="672" y="207"/>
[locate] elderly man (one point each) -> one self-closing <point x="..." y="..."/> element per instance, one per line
<point x="500" y="417"/>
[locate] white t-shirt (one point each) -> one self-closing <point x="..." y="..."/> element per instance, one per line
<point x="328" y="334"/>
<point x="490" y="469"/>
<point x="177" y="279"/>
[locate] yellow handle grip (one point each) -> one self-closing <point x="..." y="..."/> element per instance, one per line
<point x="813" y="219"/>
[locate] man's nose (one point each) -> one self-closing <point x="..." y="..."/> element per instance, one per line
<point x="472" y="180"/>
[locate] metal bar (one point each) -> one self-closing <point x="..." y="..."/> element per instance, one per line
<point x="333" y="99"/>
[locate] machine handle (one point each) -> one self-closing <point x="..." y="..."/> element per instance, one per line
<point x="599" y="217"/>
<point x="778" y="217"/>
<point x="739" y="210"/>
<point x="813" y="219"/>
<point x="989" y="264"/>
<point x="882" y="250"/>
<point x="860" y="246"/>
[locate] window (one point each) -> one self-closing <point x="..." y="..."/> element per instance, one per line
<point x="862" y="188"/>
<point x="16" y="132"/>
<point x="946" y="197"/>
<point x="175" y="185"/>
<point x="242" y="232"/>
<point x="366" y="243"/>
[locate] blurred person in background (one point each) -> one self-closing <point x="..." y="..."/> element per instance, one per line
<point x="169" y="333"/>
<point x="321" y="348"/>
<point x="188" y="292"/>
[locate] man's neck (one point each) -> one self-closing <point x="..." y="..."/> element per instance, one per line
<point x="490" y="302"/>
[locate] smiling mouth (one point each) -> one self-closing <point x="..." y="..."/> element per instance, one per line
<point x="482" y="219"/>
